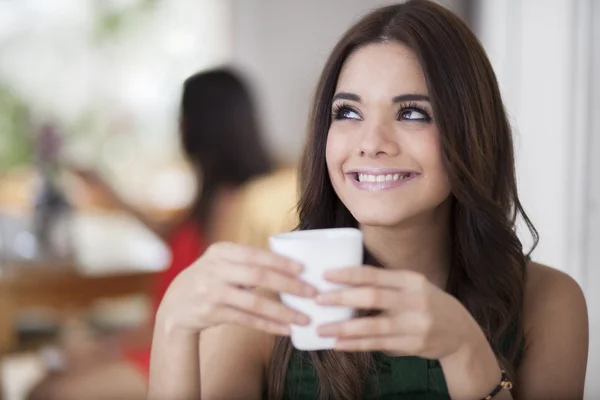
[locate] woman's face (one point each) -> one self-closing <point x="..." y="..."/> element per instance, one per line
<point x="383" y="151"/>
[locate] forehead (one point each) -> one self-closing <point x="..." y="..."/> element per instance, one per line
<point x="382" y="69"/>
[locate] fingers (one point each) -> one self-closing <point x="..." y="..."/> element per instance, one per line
<point x="246" y="254"/>
<point x="261" y="306"/>
<point x="252" y="275"/>
<point x="372" y="276"/>
<point x="406" y="324"/>
<point x="235" y="316"/>
<point x="399" y="345"/>
<point x="364" y="298"/>
<point x="374" y="298"/>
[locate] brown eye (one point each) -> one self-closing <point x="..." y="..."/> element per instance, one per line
<point x="414" y="114"/>
<point x="345" y="112"/>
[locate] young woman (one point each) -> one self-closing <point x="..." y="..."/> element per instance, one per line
<point x="242" y="199"/>
<point x="409" y="141"/>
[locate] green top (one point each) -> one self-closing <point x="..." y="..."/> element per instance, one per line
<point x="396" y="378"/>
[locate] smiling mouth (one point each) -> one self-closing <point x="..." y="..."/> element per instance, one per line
<point x="383" y="180"/>
<point x="360" y="177"/>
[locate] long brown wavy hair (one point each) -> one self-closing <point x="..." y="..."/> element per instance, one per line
<point x="221" y="135"/>
<point x="488" y="262"/>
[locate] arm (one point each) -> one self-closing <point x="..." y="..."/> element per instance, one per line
<point x="556" y="334"/>
<point x="95" y="181"/>
<point x="174" y="370"/>
<point x="234" y="359"/>
<point x="162" y="230"/>
<point x="232" y="364"/>
<point x="556" y="337"/>
<point x="207" y="303"/>
<point x="420" y="319"/>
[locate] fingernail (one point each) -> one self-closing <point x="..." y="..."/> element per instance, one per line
<point x="302" y="319"/>
<point x="310" y="291"/>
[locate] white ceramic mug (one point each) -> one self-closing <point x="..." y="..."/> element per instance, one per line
<point x="318" y="250"/>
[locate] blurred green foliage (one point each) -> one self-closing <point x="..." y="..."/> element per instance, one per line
<point x="15" y="144"/>
<point x="110" y="23"/>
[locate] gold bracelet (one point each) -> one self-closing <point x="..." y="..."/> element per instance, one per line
<point x="504" y="384"/>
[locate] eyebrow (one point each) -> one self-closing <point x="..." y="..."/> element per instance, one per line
<point x="397" y="99"/>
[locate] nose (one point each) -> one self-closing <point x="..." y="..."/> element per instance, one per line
<point x="378" y="141"/>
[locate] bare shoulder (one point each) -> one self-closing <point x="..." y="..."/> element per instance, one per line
<point x="556" y="336"/>
<point x="549" y="289"/>
<point x="551" y="297"/>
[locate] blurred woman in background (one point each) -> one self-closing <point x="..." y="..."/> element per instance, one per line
<point x="242" y="198"/>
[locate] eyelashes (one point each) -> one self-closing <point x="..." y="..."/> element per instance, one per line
<point x="411" y="112"/>
<point x="343" y="110"/>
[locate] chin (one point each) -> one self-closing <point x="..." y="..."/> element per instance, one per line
<point x="379" y="218"/>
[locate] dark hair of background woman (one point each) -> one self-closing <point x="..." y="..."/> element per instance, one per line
<point x="220" y="134"/>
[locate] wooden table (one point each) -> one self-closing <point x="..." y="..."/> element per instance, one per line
<point x="59" y="288"/>
<point x="115" y="256"/>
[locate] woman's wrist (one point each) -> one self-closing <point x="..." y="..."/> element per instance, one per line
<point x="472" y="372"/>
<point x="174" y="369"/>
<point x="167" y="326"/>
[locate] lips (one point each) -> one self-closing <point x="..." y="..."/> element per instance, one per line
<point x="374" y="179"/>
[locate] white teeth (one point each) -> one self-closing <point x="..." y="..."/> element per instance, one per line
<point x="382" y="178"/>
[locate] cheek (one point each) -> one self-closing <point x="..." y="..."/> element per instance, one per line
<point x="428" y="152"/>
<point x="334" y="154"/>
<point x="329" y="153"/>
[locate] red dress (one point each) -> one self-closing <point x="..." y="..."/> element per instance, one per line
<point x="186" y="244"/>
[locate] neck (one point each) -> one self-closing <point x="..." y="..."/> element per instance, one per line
<point x="422" y="244"/>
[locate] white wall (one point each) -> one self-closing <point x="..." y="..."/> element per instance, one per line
<point x="537" y="49"/>
<point x="592" y="244"/>
<point x="541" y="53"/>
<point x="282" y="45"/>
